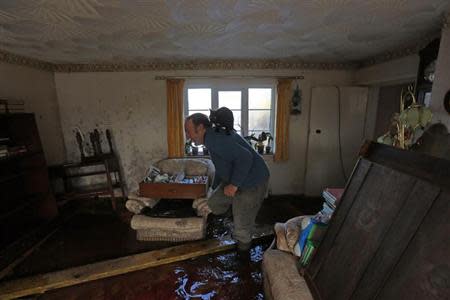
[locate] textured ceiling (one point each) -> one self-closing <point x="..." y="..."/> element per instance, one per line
<point x="94" y="31"/>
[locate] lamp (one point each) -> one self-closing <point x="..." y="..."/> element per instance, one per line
<point x="296" y="107"/>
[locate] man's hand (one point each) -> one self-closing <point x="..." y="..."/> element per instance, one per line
<point x="230" y="190"/>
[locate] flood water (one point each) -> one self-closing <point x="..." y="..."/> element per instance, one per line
<point x="218" y="276"/>
<point x="89" y="238"/>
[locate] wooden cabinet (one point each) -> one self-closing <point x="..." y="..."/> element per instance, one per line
<point x="25" y="197"/>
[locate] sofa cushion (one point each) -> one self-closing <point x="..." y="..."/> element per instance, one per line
<point x="168" y="229"/>
<point x="281" y="278"/>
<point x="280" y="232"/>
<point x="190" y="166"/>
<point x="293" y="228"/>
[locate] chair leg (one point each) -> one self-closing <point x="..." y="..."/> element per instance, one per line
<point x="110" y="185"/>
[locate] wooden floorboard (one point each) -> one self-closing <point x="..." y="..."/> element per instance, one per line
<point x="38" y="284"/>
<point x="25" y="246"/>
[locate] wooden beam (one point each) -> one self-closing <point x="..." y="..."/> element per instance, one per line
<point x="26" y="245"/>
<point x="41" y="283"/>
<point x="5" y="271"/>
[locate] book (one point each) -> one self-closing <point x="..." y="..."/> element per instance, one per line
<point x="327" y="209"/>
<point x="332" y="196"/>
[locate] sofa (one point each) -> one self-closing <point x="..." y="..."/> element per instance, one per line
<point x="170" y="229"/>
<point x="282" y="280"/>
<point x="284" y="254"/>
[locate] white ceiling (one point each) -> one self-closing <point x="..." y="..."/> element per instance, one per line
<point x="94" y="31"/>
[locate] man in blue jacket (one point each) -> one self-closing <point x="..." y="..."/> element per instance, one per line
<point x="241" y="176"/>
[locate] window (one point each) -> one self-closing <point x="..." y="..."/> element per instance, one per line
<point x="259" y="110"/>
<point x="200" y="101"/>
<point x="232" y="100"/>
<point x="253" y="104"/>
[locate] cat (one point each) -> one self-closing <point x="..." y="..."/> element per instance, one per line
<point x="222" y="118"/>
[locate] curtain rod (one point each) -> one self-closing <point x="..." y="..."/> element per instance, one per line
<point x="300" y="77"/>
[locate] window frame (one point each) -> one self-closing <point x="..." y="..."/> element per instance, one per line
<point x="234" y="85"/>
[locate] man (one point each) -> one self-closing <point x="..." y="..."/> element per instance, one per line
<point x="241" y="176"/>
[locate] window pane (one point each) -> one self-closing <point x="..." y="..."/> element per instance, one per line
<point x="230" y="99"/>
<point x="259" y="98"/>
<point x="255" y="132"/>
<point x="258" y="120"/>
<point x="237" y="120"/>
<point x="205" y="112"/>
<point x="199" y="99"/>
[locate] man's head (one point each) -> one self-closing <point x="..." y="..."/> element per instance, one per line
<point x="195" y="127"/>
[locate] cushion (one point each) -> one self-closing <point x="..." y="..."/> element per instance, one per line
<point x="168" y="229"/>
<point x="281" y="278"/>
<point x="293" y="228"/>
<point x="190" y="166"/>
<point x="136" y="204"/>
<point x="280" y="232"/>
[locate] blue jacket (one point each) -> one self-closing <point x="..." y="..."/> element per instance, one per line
<point x="236" y="162"/>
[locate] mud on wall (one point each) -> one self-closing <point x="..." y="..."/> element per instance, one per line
<point x="133" y="106"/>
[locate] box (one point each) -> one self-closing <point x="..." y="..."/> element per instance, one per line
<point x="173" y="190"/>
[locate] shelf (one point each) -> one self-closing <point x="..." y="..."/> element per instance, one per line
<point x="25" y="190"/>
<point x="88" y="174"/>
<point x="93" y="190"/>
<point x="90" y="161"/>
<point x="10" y="158"/>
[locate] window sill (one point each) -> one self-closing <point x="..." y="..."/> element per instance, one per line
<point x="196" y="156"/>
<point x="268" y="157"/>
<point x="265" y="156"/>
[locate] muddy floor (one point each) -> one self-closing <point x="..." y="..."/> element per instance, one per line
<point x="95" y="233"/>
<point x="220" y="276"/>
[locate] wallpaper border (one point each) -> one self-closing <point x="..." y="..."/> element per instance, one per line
<point x="16" y="59"/>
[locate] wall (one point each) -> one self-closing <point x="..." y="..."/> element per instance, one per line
<point x="37" y="89"/>
<point x="395" y="72"/>
<point x="442" y="79"/>
<point x="399" y="70"/>
<point x="133" y="105"/>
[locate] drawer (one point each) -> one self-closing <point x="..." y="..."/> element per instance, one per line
<point x="173" y="190"/>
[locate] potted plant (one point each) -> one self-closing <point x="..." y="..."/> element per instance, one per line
<point x="408" y="125"/>
<point x="259" y="145"/>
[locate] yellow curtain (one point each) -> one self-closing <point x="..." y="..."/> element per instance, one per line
<point x="282" y="124"/>
<point x="175" y="125"/>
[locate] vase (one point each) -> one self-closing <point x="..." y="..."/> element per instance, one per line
<point x="260" y="149"/>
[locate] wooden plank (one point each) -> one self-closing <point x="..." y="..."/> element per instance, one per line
<point x="45" y="282"/>
<point x="6" y="270"/>
<point x="378" y="202"/>
<point x="396" y="239"/>
<point x="424" y="269"/>
<point x="22" y="248"/>
<point x="350" y="193"/>
<point x="426" y="167"/>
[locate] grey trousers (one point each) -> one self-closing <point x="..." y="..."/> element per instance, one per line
<point x="245" y="206"/>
